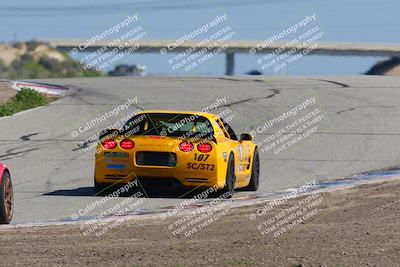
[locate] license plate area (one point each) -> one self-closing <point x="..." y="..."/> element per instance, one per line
<point x="163" y="159"/>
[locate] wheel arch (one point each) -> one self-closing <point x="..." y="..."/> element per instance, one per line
<point x="226" y="165"/>
<point x="252" y="153"/>
<point x="3" y="169"/>
<point x="233" y="155"/>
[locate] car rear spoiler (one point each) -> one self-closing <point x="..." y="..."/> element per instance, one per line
<point x="111" y="133"/>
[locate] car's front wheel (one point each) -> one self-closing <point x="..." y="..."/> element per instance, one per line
<point x="6" y="199"/>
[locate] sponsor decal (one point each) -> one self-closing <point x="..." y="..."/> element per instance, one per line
<point x="225" y="156"/>
<point x="120" y="155"/>
<point x="116" y="166"/>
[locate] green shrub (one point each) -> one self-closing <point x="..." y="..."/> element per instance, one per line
<point x="25" y="99"/>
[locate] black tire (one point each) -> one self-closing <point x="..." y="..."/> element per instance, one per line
<point x="6" y="199"/>
<point x="230" y="180"/>
<point x="255" y="173"/>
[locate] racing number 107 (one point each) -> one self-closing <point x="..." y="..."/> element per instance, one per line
<point x="201" y="157"/>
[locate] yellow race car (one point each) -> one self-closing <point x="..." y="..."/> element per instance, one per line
<point x="193" y="149"/>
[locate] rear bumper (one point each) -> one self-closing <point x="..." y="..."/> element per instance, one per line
<point x="156" y="179"/>
<point x="185" y="173"/>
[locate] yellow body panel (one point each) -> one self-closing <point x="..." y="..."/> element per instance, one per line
<point x="192" y="168"/>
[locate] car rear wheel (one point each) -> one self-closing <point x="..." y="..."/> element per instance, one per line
<point x="255" y="173"/>
<point x="229" y="189"/>
<point x="6" y="199"/>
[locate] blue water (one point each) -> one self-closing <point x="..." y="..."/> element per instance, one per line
<point x="342" y="21"/>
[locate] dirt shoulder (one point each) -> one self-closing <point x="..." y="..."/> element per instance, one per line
<point x="354" y="227"/>
<point x="6" y="92"/>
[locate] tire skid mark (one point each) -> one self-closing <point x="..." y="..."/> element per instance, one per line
<point x="345" y="110"/>
<point x="343" y="85"/>
<point x="274" y="93"/>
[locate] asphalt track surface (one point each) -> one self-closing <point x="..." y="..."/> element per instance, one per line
<point x="53" y="177"/>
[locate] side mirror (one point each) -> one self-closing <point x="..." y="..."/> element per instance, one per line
<point x="246" y="137"/>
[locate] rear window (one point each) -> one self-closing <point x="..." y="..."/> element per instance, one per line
<point x="176" y="125"/>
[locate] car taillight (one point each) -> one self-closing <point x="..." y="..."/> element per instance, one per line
<point x="186" y="146"/>
<point x="204" y="148"/>
<point x="109" y="144"/>
<point x="127" y="144"/>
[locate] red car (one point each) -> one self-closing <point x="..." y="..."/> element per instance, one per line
<point x="6" y="195"/>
